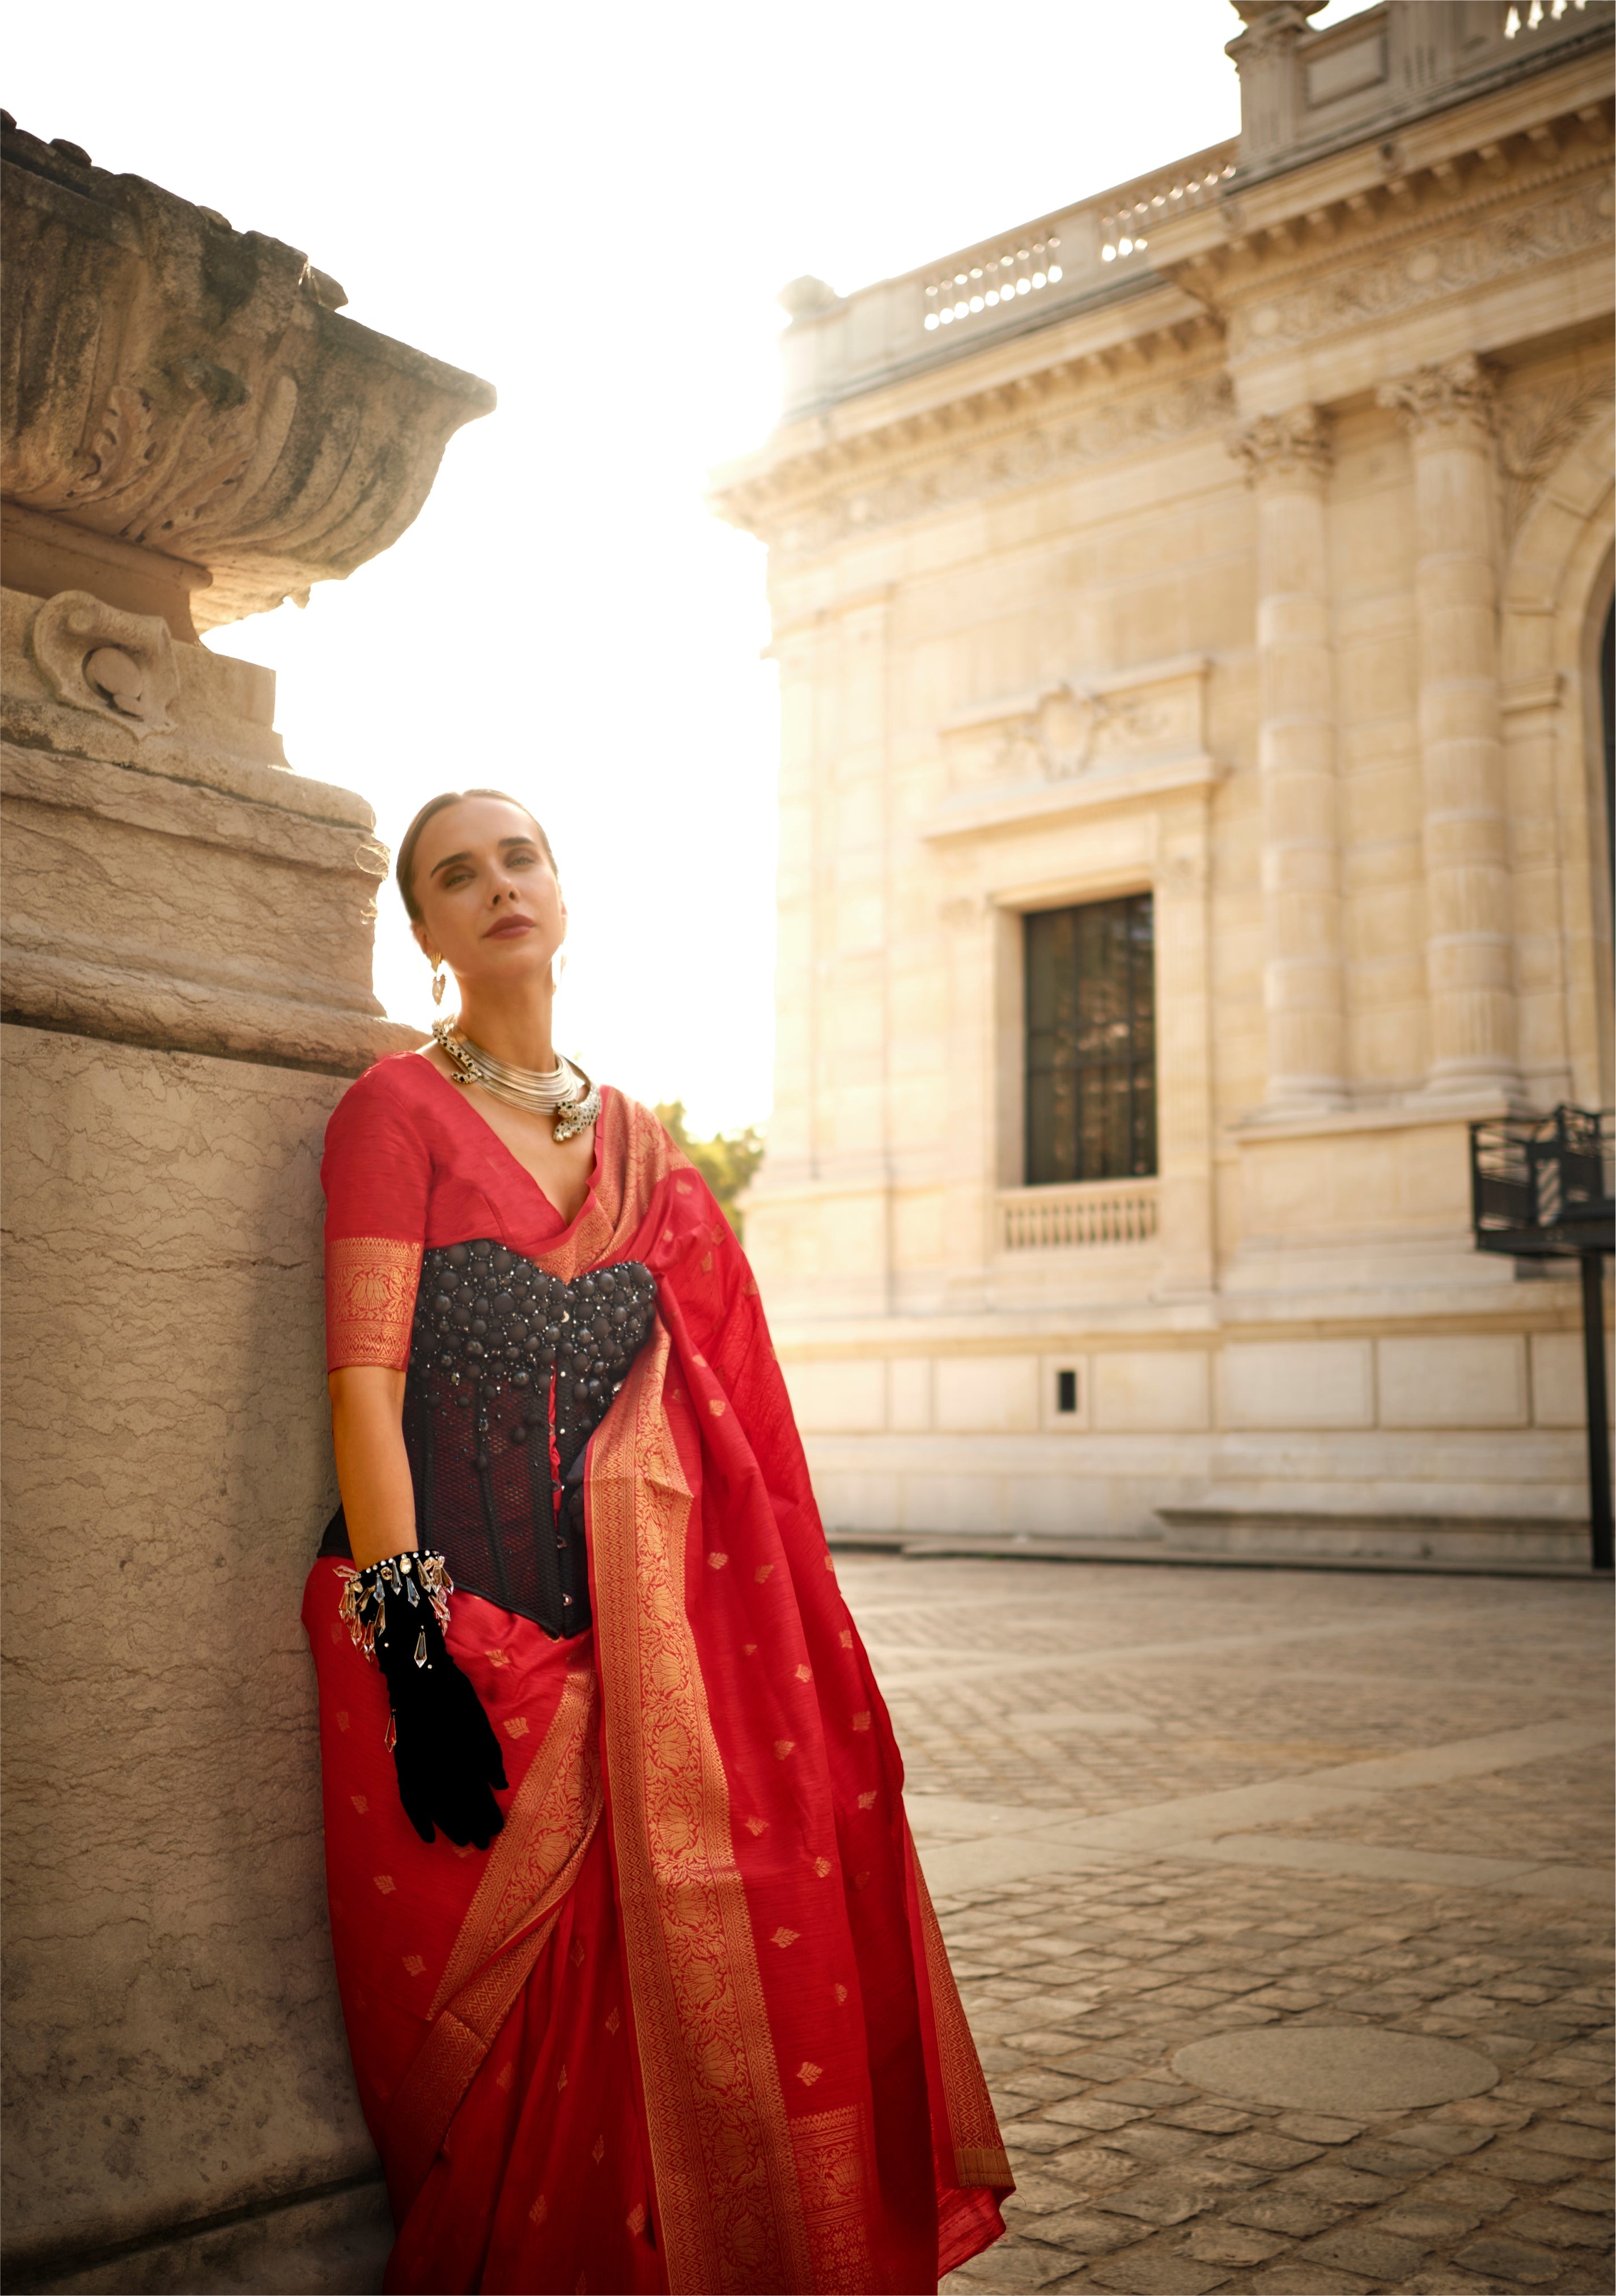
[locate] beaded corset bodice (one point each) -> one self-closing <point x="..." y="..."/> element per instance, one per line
<point x="511" y="1371"/>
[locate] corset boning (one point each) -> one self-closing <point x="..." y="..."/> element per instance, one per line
<point x="511" y="1371"/>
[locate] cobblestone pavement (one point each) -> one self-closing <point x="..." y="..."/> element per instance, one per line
<point x="1155" y="1805"/>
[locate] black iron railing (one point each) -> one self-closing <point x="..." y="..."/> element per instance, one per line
<point x="1544" y="1187"/>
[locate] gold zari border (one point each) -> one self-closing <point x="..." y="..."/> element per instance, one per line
<point x="534" y="1863"/>
<point x="370" y="1281"/>
<point x="731" y="2217"/>
<point x="973" y="2129"/>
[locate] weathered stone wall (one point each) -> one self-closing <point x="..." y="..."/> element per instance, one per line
<point x="173" y="2046"/>
<point x="191" y="433"/>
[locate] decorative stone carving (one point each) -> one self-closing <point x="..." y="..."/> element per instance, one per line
<point x="93" y="657"/>
<point x="1458" y="392"/>
<point x="1275" y="446"/>
<point x="188" y="390"/>
<point x="1427" y="265"/>
<point x="1074" y="727"/>
<point x="1535" y="430"/>
<point x="1093" y="433"/>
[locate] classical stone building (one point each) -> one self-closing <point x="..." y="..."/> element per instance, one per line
<point x="192" y="432"/>
<point x="1190" y="610"/>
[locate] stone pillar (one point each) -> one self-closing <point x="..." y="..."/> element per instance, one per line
<point x="1469" y="963"/>
<point x="1287" y="457"/>
<point x="187" y="989"/>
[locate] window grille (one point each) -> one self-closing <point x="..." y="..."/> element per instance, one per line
<point x="1091" y="1042"/>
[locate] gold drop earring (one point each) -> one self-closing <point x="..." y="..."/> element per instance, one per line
<point x="439" y="978"/>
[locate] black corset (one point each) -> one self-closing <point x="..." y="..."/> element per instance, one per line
<point x="511" y="1371"/>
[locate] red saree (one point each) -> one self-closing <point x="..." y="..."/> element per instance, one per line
<point x="688" y="2024"/>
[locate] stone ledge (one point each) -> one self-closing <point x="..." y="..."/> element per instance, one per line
<point x="331" y="2241"/>
<point x="78" y="998"/>
<point x="1011" y="1546"/>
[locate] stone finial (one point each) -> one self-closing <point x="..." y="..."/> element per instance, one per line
<point x="1282" y="446"/>
<point x="1458" y="391"/>
<point x="806" y="298"/>
<point x="1268" y="21"/>
<point x="186" y="392"/>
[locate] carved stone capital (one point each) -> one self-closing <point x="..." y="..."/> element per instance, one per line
<point x="1296" y="443"/>
<point x="1436" y="399"/>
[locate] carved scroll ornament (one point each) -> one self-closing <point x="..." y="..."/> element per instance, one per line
<point x="93" y="657"/>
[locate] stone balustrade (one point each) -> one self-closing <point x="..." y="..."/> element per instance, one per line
<point x="836" y="346"/>
<point x="1079" y="1217"/>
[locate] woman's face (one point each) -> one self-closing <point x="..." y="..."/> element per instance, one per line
<point x="489" y="901"/>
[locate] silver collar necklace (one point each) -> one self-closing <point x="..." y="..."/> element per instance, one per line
<point x="566" y="1093"/>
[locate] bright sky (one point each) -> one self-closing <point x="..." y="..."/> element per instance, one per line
<point x="593" y="208"/>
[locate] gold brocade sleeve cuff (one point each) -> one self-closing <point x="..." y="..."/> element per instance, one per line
<point x="370" y="1300"/>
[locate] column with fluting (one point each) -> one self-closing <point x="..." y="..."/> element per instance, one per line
<point x="1287" y="459"/>
<point x="1469" y="956"/>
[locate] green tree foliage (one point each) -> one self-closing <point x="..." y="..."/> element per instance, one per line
<point x="727" y="1161"/>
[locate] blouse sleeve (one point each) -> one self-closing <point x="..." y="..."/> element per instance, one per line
<point x="376" y="1172"/>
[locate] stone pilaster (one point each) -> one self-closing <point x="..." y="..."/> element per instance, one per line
<point x="1448" y="413"/>
<point x="1287" y="459"/>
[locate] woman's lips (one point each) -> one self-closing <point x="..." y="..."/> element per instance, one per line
<point x="507" y="928"/>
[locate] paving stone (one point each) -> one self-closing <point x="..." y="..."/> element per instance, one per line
<point x="1085" y="1986"/>
<point x="1446" y="2136"/>
<point x="1293" y="2279"/>
<point x="1034" y="2135"/>
<point x="1453" y="2189"/>
<point x="1213" y="2241"/>
<point x="1447" y="2280"/>
<point x="1579" y="2072"/>
<point x="1569" y="2138"/>
<point x="1596" y="2198"/>
<point x="1219" y="2176"/>
<point x="1088" y="2169"/>
<point x="1330" y="2181"/>
<point x="1283" y="2209"/>
<point x="1510" y="2158"/>
<point x="1148" y="2141"/>
<point x="1092" y="2113"/>
<point x="1485" y="2111"/>
<point x="1318" y="2127"/>
<point x="1088" y="2231"/>
<point x="1037" y="2082"/>
<point x="1593" y="2115"/>
<point x="1430" y="2226"/>
<point x="1559" y="2227"/>
<point x="1158" y="2199"/>
<point x="1151" y="2093"/>
<point x="1036" y="2192"/>
<point x="1152" y="2274"/>
<point x="1012" y="2266"/>
<point x="1361" y="2248"/>
<point x="1377" y="2158"/>
<point x="1257" y="2149"/>
<point x="1098" y="2067"/>
<point x="1517" y="2260"/>
<point x="1215" y="2120"/>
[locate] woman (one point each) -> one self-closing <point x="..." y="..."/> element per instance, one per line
<point x="641" y="1985"/>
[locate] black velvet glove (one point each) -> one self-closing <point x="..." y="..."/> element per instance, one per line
<point x="444" y="1748"/>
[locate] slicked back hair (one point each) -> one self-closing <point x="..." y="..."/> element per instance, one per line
<point x="404" y="867"/>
